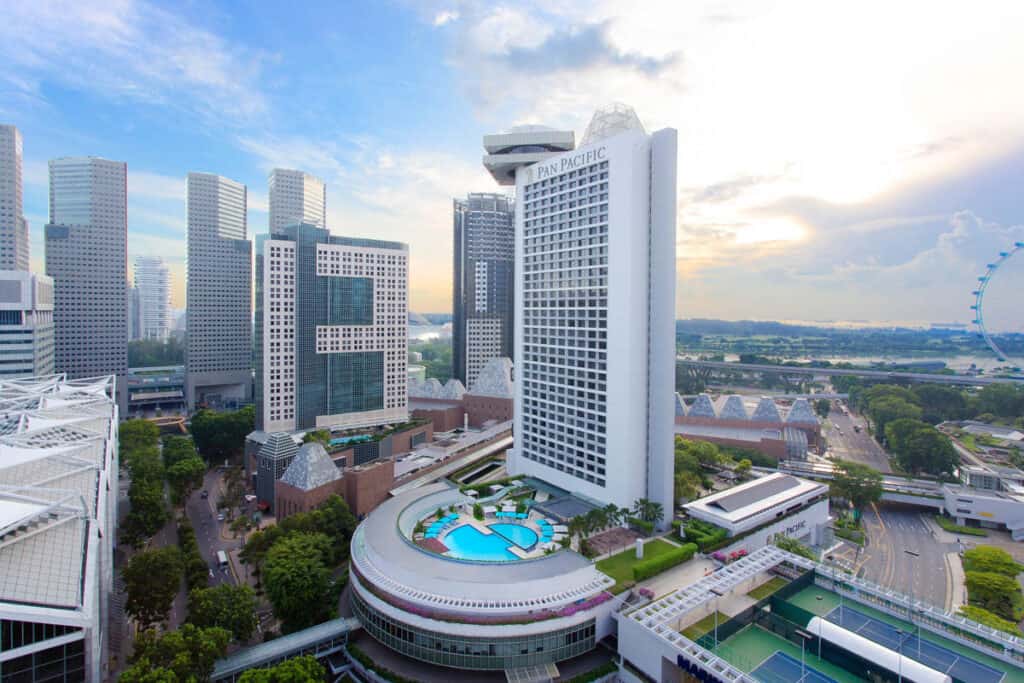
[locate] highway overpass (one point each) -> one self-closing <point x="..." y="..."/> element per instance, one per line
<point x="963" y="380"/>
<point x="895" y="489"/>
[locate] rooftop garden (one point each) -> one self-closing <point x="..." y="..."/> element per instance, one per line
<point x="659" y="555"/>
<point x="704" y="626"/>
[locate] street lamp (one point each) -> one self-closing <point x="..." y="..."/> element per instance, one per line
<point x="718" y="594"/>
<point x="910" y="610"/>
<point x="803" y="643"/>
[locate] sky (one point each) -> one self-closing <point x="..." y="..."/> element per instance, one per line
<point x="837" y="161"/>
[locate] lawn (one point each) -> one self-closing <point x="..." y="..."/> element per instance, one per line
<point x="952" y="527"/>
<point x="620" y="565"/>
<point x="705" y="625"/>
<point x="766" y="589"/>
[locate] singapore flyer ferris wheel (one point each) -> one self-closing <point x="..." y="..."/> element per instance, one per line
<point x="979" y="298"/>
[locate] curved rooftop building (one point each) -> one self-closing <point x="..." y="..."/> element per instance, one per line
<point x="523" y="146"/>
<point x="441" y="590"/>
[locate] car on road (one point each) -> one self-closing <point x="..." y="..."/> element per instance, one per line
<point x="220" y="517"/>
<point x="856" y="428"/>
<point x="205" y="494"/>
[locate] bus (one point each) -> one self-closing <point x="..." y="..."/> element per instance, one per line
<point x="222" y="559"/>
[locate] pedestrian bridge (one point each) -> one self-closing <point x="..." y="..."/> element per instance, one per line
<point x="919" y="492"/>
<point x="320" y="641"/>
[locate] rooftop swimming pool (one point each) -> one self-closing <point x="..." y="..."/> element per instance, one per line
<point x="468" y="543"/>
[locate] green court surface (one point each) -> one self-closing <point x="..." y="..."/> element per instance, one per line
<point x="808" y="599"/>
<point x="766" y="589"/>
<point x="705" y="625"/>
<point x="751" y="646"/>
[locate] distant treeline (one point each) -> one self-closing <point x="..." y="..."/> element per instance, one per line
<point x="147" y="353"/>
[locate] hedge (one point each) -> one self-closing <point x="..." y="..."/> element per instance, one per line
<point x="707" y="536"/>
<point x="648" y="568"/>
<point x="952" y="527"/>
<point x="369" y="664"/>
<point x="644" y="526"/>
<point x="983" y="616"/>
<point x="594" y="674"/>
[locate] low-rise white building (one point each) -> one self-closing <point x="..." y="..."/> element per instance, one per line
<point x="58" y="518"/>
<point x="765" y="507"/>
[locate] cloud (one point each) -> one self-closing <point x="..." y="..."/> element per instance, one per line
<point x="583" y="47"/>
<point x="445" y="17"/>
<point x="130" y="49"/>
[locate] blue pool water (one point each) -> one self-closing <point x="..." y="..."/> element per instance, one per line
<point x="522" y="536"/>
<point x="466" y="543"/>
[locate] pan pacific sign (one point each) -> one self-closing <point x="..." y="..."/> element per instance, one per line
<point x="567" y="163"/>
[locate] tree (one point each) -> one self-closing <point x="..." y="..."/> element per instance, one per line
<point x="1002" y="399"/>
<point x="134" y="434"/>
<point x="321" y="436"/>
<point x="152" y="579"/>
<point x="743" y="468"/>
<point x="148" y="511"/>
<point x="297" y="580"/>
<point x="226" y="606"/>
<point x="998" y="593"/>
<point x="856" y="483"/>
<point x="220" y="436"/>
<point x="183" y="656"/>
<point x="303" y="669"/>
<point x="823" y="407"/>
<point x="940" y="403"/>
<point x="648" y="510"/>
<point x="613" y="515"/>
<point x="987" y="558"/>
<point x="926" y="449"/>
<point x="888" y="409"/>
<point x="185" y="476"/>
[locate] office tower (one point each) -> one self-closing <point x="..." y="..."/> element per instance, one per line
<point x="86" y="255"/>
<point x="218" y="354"/>
<point x="483" y="291"/>
<point x="594" y="319"/>
<point x="58" y="528"/>
<point x="331" y="330"/>
<point x="296" y="197"/>
<point x="13" y="226"/>
<point x="26" y="324"/>
<point x="134" y="314"/>
<point x="153" y="283"/>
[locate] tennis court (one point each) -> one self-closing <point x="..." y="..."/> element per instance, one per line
<point x="781" y="668"/>
<point x="907" y="643"/>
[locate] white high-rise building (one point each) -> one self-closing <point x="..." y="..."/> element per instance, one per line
<point x="13" y="226"/>
<point x="332" y="330"/>
<point x="595" y="311"/>
<point x="218" y="356"/>
<point x="153" y="282"/>
<point x="86" y="255"/>
<point x="26" y="324"/>
<point x="296" y="197"/>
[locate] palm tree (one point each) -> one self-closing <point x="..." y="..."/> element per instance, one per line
<point x="598" y="519"/>
<point x="648" y="510"/>
<point x="613" y="514"/>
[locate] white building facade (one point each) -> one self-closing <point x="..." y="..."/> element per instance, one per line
<point x="218" y="355"/>
<point x="296" y="197"/>
<point x="331" y="331"/>
<point x="26" y="324"/>
<point x="594" y="318"/>
<point x="153" y="282"/>
<point x="14" y="244"/>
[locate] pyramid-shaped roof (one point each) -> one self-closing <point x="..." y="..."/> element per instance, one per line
<point x="801" y="413"/>
<point x="732" y="408"/>
<point x="311" y="468"/>
<point x="680" y="406"/>
<point x="702" y="407"/>
<point x="453" y="390"/>
<point x="279" y="445"/>
<point x="495" y="379"/>
<point x="766" y="411"/>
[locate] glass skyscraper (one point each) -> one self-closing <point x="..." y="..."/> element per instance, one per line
<point x="483" y="292"/>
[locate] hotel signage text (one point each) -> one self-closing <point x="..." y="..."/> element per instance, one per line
<point x="570" y="163"/>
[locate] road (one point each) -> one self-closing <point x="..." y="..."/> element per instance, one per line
<point x="892" y="530"/>
<point x="211" y="533"/>
<point x="851" y="445"/>
<point x="965" y="380"/>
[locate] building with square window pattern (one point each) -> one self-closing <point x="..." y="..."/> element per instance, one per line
<point x="331" y="331"/>
<point x="594" y="316"/>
